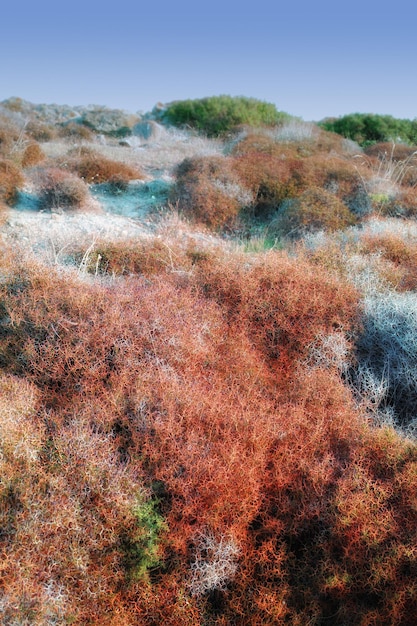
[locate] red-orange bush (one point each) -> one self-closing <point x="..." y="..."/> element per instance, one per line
<point x="11" y="178"/>
<point x="197" y="390"/>
<point x="271" y="179"/>
<point x="315" y="209"/>
<point x="208" y="191"/>
<point x="127" y="257"/>
<point x="94" y="168"/>
<point x="61" y="189"/>
<point x="284" y="304"/>
<point x="400" y="252"/>
<point x="32" y="155"/>
<point x="75" y="131"/>
<point x="9" y="134"/>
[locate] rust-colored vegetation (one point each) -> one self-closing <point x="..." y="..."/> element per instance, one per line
<point x="94" y="168"/>
<point x="60" y="189"/>
<point x="187" y="458"/>
<point x="11" y="178"/>
<point x="209" y="192"/>
<point x="32" y="155"/>
<point x="191" y="433"/>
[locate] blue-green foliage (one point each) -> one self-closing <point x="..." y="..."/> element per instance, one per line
<point x="219" y="114"/>
<point x="368" y="128"/>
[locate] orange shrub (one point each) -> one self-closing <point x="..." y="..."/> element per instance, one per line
<point x="93" y="168"/>
<point x="283" y="304"/>
<point x="315" y="209"/>
<point x="402" y="204"/>
<point x="264" y="144"/>
<point x="32" y="155"/>
<point x="61" y="189"/>
<point x="208" y="191"/>
<point x="341" y="176"/>
<point x="170" y="449"/>
<point x="288" y="140"/>
<point x="129" y="257"/>
<point x="277" y="176"/>
<point x="40" y="131"/>
<point x="9" y="134"/>
<point x="398" y="251"/>
<point x="11" y="179"/>
<point x="271" y="179"/>
<point x="387" y="150"/>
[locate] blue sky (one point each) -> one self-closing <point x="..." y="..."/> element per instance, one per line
<point x="312" y="59"/>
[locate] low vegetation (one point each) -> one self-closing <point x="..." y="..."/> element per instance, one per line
<point x="367" y="128"/>
<point x="61" y="190"/>
<point x="221" y="114"/>
<point x="211" y="422"/>
<point x="93" y="168"/>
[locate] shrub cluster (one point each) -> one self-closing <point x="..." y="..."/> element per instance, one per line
<point x="188" y="457"/>
<point x="367" y="128"/>
<point x="11" y="178"/>
<point x="78" y="132"/>
<point x="217" y="115"/>
<point x="314" y="210"/>
<point x="61" y="190"/>
<point x="262" y="178"/>
<point x="32" y="155"/>
<point x="93" y="168"/>
<point x="208" y="191"/>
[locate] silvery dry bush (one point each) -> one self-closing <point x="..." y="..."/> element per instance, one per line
<point x="215" y="563"/>
<point x="386" y="352"/>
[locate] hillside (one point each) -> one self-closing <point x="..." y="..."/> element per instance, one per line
<point x="208" y="366"/>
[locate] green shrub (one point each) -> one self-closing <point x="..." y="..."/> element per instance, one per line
<point x="142" y="548"/>
<point x="219" y="114"/>
<point x="368" y="128"/>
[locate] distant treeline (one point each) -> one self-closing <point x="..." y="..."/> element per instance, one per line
<point x="369" y="128"/>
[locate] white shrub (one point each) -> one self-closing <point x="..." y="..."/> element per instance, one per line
<point x="386" y="373"/>
<point x="215" y="563"/>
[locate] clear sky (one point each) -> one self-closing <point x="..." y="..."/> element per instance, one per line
<point x="312" y="58"/>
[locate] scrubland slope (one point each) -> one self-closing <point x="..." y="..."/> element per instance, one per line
<point x="207" y="408"/>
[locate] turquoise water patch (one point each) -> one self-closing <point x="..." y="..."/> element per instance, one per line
<point x="138" y="199"/>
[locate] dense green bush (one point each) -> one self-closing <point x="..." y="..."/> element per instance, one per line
<point x="368" y="128"/>
<point x="218" y="114"/>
